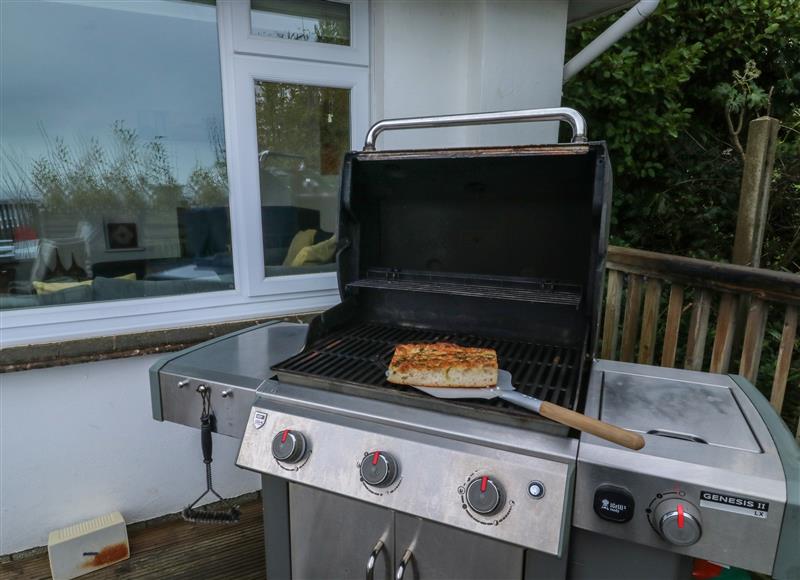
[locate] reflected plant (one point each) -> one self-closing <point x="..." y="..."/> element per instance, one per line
<point x="208" y="186"/>
<point x="129" y="174"/>
<point x="330" y="32"/>
<point x="309" y="121"/>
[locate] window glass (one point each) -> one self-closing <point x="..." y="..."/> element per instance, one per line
<point x="113" y="179"/>
<point x="304" y="20"/>
<point x="303" y="133"/>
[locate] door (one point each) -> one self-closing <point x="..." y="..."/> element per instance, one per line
<point x="439" y="551"/>
<point x="333" y="536"/>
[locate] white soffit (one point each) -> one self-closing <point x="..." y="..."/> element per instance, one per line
<point x="581" y="10"/>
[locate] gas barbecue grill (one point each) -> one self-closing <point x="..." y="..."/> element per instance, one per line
<point x="501" y="248"/>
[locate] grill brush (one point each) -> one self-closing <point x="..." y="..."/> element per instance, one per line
<point x="205" y="515"/>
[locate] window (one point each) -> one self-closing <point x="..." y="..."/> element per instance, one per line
<point x="304" y="20"/>
<point x="114" y="178"/>
<point x="303" y="133"/>
<point x="147" y="148"/>
<point x="322" y="30"/>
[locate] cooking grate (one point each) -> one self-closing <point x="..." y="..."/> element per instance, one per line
<point x="354" y="361"/>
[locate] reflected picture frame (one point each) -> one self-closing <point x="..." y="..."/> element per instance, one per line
<point x="122" y="236"/>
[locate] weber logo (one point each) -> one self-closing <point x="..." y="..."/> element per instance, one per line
<point x="259" y="418"/>
<point x="735" y="504"/>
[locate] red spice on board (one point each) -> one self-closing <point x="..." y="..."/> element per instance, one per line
<point x="108" y="555"/>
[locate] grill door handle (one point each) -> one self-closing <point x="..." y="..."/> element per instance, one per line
<point x="569" y="116"/>
<point x="373" y="557"/>
<point x="401" y="569"/>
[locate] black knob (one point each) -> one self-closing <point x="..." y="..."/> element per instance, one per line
<point x="379" y="469"/>
<point x="484" y="495"/>
<point x="289" y="446"/>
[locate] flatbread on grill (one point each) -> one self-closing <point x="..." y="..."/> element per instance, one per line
<point x="442" y="364"/>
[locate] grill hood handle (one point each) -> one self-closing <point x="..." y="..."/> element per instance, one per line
<point x="569" y="116"/>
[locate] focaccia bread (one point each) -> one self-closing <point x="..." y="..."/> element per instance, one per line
<point x="442" y="364"/>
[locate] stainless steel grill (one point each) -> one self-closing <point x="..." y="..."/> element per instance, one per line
<point x="356" y="358"/>
<point x="503" y="249"/>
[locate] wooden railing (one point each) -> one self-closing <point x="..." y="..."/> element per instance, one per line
<point x="733" y="293"/>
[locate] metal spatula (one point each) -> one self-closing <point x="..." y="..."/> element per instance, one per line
<point x="505" y="390"/>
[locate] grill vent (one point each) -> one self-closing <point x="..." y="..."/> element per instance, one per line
<point x="480" y="287"/>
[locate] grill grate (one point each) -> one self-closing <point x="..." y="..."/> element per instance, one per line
<point x="354" y="361"/>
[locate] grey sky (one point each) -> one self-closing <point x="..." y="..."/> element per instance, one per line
<point x="75" y="68"/>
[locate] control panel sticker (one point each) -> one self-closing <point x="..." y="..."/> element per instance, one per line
<point x="734" y="504"/>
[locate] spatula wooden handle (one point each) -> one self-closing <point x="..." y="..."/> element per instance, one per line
<point x="601" y="429"/>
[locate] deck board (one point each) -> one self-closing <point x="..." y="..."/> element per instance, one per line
<point x="177" y="550"/>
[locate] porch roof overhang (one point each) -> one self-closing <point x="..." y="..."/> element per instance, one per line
<point x="581" y="10"/>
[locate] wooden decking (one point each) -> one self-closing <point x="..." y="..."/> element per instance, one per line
<point x="175" y="550"/>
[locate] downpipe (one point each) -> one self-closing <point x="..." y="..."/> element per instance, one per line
<point x="627" y="22"/>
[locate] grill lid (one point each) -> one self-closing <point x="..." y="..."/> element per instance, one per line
<point x="507" y="242"/>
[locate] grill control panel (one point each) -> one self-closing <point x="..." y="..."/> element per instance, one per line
<point x="481" y="489"/>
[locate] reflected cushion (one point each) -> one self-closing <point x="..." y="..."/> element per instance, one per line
<point x="321" y="253"/>
<point x="302" y="239"/>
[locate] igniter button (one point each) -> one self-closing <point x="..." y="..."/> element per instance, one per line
<point x="536" y="489"/>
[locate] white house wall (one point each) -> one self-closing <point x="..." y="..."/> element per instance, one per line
<point x="450" y="56"/>
<point x="79" y="441"/>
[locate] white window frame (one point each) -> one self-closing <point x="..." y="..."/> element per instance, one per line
<point x="356" y="53"/>
<point x="254" y="295"/>
<point x="248" y="70"/>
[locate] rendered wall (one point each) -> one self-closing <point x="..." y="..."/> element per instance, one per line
<point x="453" y="56"/>
<point x="79" y="441"/>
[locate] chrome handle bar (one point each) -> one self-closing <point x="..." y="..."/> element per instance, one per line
<point x="569" y="116"/>
<point x="401" y="569"/>
<point x="373" y="557"/>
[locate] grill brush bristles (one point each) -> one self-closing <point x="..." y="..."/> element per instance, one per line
<point x="206" y="514"/>
<point x="202" y="516"/>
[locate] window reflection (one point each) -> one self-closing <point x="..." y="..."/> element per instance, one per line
<point x="303" y="133"/>
<point x="113" y="168"/>
<point x="303" y="20"/>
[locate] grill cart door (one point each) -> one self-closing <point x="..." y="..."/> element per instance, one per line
<point x="333" y="536"/>
<point x="439" y="551"/>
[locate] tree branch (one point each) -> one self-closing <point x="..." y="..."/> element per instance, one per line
<point x="734" y="133"/>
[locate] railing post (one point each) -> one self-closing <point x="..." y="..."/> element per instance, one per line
<point x="698" y="330"/>
<point x="612" y="314"/>
<point x="784" y="359"/>
<point x="630" y="323"/>
<point x="652" y="302"/>
<point x="726" y="330"/>
<point x="674" y="311"/>
<point x="762" y="141"/>
<point x="753" y="340"/>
